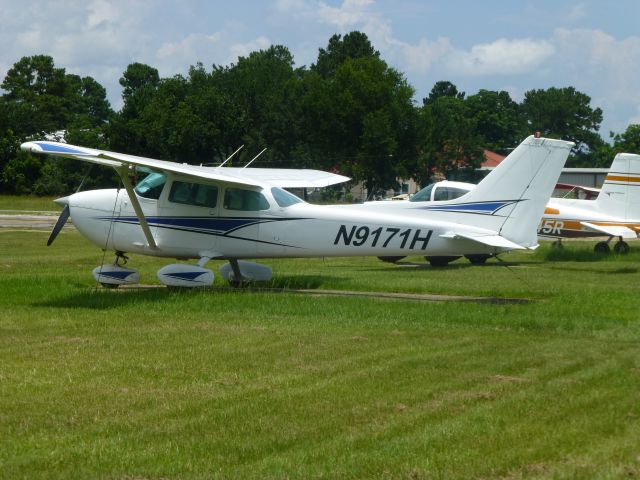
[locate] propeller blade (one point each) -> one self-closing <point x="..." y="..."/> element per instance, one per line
<point x="62" y="219"/>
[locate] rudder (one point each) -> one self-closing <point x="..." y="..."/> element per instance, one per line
<point x="620" y="193"/>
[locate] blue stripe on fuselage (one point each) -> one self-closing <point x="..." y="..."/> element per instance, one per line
<point x="200" y="224"/>
<point x="484" y="208"/>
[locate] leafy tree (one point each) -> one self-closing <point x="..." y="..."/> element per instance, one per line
<point x="567" y="114"/>
<point x="263" y="88"/>
<point x="126" y="131"/>
<point x="449" y="139"/>
<point x="42" y="100"/>
<point x="361" y="121"/>
<point x="497" y="120"/>
<point x="440" y="89"/>
<point x="626" y="142"/>
<point x="354" y="45"/>
<point x="629" y="141"/>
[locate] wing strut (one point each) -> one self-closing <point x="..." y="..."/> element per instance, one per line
<point x="123" y="172"/>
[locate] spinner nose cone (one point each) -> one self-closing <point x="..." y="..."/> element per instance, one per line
<point x="62" y="201"/>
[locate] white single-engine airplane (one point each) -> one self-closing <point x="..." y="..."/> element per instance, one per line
<point x="615" y="211"/>
<point x="187" y="212"/>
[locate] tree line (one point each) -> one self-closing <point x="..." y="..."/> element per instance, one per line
<point x="348" y="112"/>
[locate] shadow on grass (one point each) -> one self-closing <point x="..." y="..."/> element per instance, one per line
<point x="103" y="299"/>
<point x="598" y="271"/>
<point x="296" y="282"/>
<point x="403" y="267"/>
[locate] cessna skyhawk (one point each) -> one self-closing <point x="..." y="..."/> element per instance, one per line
<point x="204" y="213"/>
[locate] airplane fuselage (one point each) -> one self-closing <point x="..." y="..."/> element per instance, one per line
<point x="107" y="218"/>
<point x="565" y="218"/>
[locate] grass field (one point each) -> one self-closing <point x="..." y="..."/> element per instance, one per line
<point x="27" y="203"/>
<point x="222" y="383"/>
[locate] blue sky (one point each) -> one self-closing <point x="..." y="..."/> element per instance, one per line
<point x="497" y="45"/>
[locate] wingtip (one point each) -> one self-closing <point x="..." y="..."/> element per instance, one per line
<point x="31" y="147"/>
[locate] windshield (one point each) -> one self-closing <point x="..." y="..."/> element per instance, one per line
<point x="151" y="186"/>
<point x="423" y="195"/>
<point x="284" y="198"/>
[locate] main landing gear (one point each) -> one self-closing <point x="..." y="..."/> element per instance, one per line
<point x="183" y="275"/>
<point x="621" y="247"/>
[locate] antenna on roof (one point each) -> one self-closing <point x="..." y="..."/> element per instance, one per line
<point x="251" y="161"/>
<point x="230" y="156"/>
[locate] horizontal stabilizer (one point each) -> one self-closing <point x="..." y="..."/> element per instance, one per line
<point x="611" y="230"/>
<point x="490" y="240"/>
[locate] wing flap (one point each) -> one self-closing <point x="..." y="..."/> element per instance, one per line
<point x="292" y="177"/>
<point x="489" y="240"/>
<point x="611" y="230"/>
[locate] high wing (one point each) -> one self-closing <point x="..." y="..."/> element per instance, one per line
<point x="611" y="230"/>
<point x="285" y="178"/>
<point x="289" y="177"/>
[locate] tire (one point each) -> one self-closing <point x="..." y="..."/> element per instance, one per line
<point x="440" y="261"/>
<point x="621" y="248"/>
<point x="601" y="247"/>
<point x="478" y="259"/>
<point x="390" y="259"/>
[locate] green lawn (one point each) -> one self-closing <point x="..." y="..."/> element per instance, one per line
<point x="222" y="383"/>
<point x="28" y="203"/>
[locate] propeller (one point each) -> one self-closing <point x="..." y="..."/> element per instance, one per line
<point x="62" y="219"/>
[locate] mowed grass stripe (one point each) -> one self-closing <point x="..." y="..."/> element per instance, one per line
<point x="242" y="384"/>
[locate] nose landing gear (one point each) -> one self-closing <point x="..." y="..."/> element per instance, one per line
<point x="115" y="274"/>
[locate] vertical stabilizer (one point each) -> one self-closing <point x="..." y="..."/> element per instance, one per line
<point x="519" y="188"/>
<point x="620" y="193"/>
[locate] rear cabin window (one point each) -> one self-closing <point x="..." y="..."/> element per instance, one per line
<point x="151" y="186"/>
<point x="194" y="194"/>
<point x="423" y="195"/>
<point x="244" y="200"/>
<point x="448" y="193"/>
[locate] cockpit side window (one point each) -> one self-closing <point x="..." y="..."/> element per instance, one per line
<point x="283" y="198"/>
<point x="151" y="186"/>
<point x="244" y="200"/>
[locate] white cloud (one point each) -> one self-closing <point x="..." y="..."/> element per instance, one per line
<point x="222" y="48"/>
<point x="423" y="55"/>
<point x="605" y="68"/>
<point x="577" y="12"/>
<point x="190" y="47"/>
<point x="501" y="57"/>
<point x="244" y="49"/>
<point x="102" y="12"/>
<point x="347" y="15"/>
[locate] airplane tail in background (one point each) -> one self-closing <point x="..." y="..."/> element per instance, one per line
<point x="512" y="198"/>
<point x="620" y="193"/>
